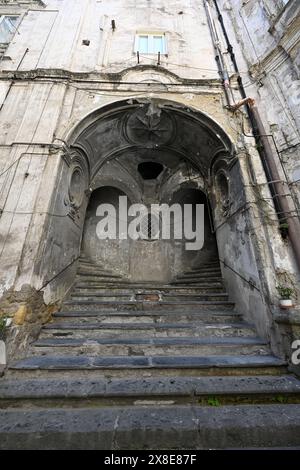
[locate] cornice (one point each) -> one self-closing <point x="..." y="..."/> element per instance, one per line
<point x="103" y="78"/>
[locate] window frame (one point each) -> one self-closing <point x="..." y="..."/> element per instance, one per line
<point x="150" y="36"/>
<point x="10" y="15"/>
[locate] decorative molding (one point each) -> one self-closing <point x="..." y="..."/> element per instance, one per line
<point x="149" y="126"/>
<point x="78" y="182"/>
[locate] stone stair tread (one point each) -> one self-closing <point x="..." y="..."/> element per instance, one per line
<point x="143" y="326"/>
<point x="160" y="302"/>
<point x="152" y="427"/>
<point x="229" y="340"/>
<point x="202" y="271"/>
<point x="150" y="386"/>
<point x="102" y="294"/>
<point x="202" y="295"/>
<point x="187" y="277"/>
<point x="103" y="290"/>
<point x="145" y="313"/>
<point x="98" y="272"/>
<point x="96" y="277"/>
<point x="197" y="281"/>
<point x="144" y="362"/>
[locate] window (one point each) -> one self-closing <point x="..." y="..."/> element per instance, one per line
<point x="8" y="25"/>
<point x="150" y="43"/>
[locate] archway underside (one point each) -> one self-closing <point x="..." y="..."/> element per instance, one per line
<point x="150" y="151"/>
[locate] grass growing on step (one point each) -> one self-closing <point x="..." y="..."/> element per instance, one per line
<point x="213" y="401"/>
<point x="281" y="399"/>
<point x="255" y="399"/>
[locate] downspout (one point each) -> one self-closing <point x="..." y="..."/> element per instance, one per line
<point x="279" y="189"/>
<point x="219" y="58"/>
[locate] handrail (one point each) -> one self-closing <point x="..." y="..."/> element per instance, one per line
<point x="251" y="284"/>
<point x="58" y="274"/>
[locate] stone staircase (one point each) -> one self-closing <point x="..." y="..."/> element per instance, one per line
<point x="146" y="366"/>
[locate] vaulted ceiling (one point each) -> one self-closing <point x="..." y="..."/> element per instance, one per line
<point x="156" y="130"/>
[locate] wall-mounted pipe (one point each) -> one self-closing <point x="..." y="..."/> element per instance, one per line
<point x="282" y="188"/>
<point x="281" y="196"/>
<point x="219" y="57"/>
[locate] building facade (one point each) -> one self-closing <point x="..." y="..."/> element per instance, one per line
<point x="163" y="101"/>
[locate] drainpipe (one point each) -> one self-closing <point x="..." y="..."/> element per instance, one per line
<point x="279" y="189"/>
<point x="219" y="57"/>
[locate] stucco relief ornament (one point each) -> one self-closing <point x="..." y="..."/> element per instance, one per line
<point x="77" y="184"/>
<point x="149" y="126"/>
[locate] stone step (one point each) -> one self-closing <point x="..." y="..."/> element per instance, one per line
<point x="196" y="281"/>
<point x="207" y="316"/>
<point x="100" y="289"/>
<point x="140" y="305"/>
<point x="153" y="330"/>
<point x="87" y="263"/>
<point x="199" y="296"/>
<point x="162" y="387"/>
<point x="211" y="296"/>
<point x="207" y="264"/>
<point x="106" y="296"/>
<point x="203" y="270"/>
<point x="97" y="273"/>
<point x="205" y="267"/>
<point x="82" y="274"/>
<point x="85" y="362"/>
<point x="124" y="346"/>
<point x="200" y="275"/>
<point x="152" y="427"/>
<point x="84" y="265"/>
<point x="125" y="284"/>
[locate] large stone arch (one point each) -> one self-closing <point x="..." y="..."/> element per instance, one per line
<point x="188" y="143"/>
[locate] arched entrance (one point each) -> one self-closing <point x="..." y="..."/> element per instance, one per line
<point x="155" y="152"/>
<point x="151" y="257"/>
<point x="113" y="253"/>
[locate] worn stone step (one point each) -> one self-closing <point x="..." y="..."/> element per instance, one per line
<point x="101" y="289"/>
<point x="187" y="281"/>
<point x="189" y="346"/>
<point x="211" y="296"/>
<point x="199" y="296"/>
<point x="153" y="427"/>
<point x="204" y="270"/>
<point x="205" y="267"/>
<point x="144" y="362"/>
<point x="106" y="297"/>
<point x="85" y="262"/>
<point x="94" y="267"/>
<point x="85" y="273"/>
<point x="97" y="273"/>
<point x="212" y="316"/>
<point x="167" y="387"/>
<point x="112" y="330"/>
<point x="199" y="275"/>
<point x="140" y="305"/>
<point x="126" y="285"/>
<point x="213" y="262"/>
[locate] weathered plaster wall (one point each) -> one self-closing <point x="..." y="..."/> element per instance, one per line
<point x="266" y="37"/>
<point x="51" y="82"/>
<point x="69" y="22"/>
